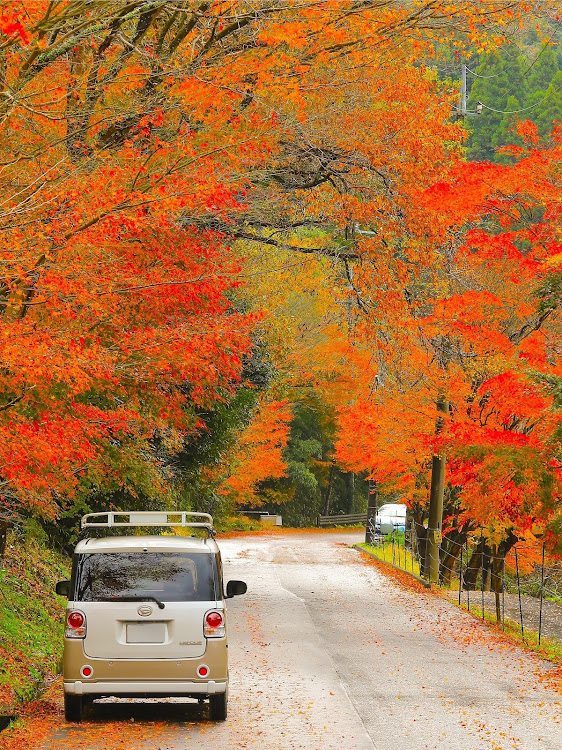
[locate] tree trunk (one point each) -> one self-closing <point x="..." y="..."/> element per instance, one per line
<point x="329" y="489"/>
<point x="421" y="538"/>
<point x="473" y="568"/>
<point x="436" y="497"/>
<point x="496" y="572"/>
<point x="3" y="536"/>
<point x="372" y="504"/>
<point x="450" y="557"/>
<point x="486" y="567"/>
<point x="350" y="486"/>
<point x="496" y="580"/>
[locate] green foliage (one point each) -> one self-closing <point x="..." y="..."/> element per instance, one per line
<point x="544" y="70"/>
<point x="520" y="87"/>
<point x="506" y="132"/>
<point x="207" y="449"/>
<point x="158" y="474"/>
<point x="237" y="523"/>
<point x="499" y="71"/>
<point x="550" y="109"/>
<point x="313" y="482"/>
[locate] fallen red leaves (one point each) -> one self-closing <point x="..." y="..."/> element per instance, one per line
<point x="36" y="721"/>
<point x="283" y="530"/>
<point x="471" y="631"/>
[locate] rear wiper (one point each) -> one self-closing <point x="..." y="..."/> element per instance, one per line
<point x="116" y="598"/>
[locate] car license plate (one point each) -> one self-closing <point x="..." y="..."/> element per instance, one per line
<point x="146" y="632"/>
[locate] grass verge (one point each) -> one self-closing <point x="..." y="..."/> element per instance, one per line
<point x="31" y="617"/>
<point x="402" y="557"/>
<point x="550" y="649"/>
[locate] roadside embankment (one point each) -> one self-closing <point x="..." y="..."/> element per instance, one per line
<point x="31" y="617"/>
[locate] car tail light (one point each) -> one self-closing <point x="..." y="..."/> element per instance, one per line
<point x="75" y="624"/>
<point x="214" y="625"/>
<point x="86" y="671"/>
<point x="203" y="670"/>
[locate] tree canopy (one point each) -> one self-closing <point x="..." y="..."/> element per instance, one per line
<point x="210" y="210"/>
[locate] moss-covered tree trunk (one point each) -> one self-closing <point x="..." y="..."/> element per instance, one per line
<point x="328" y="493"/>
<point x="473" y="568"/>
<point x="3" y="535"/>
<point x="450" y="556"/>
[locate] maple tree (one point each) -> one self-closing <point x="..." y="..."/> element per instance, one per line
<point x="481" y="329"/>
<point x="258" y="455"/>
<point x="144" y="147"/>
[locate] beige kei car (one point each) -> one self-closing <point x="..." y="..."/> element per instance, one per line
<point x="146" y="615"/>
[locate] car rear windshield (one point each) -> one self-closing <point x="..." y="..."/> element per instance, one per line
<point x="167" y="576"/>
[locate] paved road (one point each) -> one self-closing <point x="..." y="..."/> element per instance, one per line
<point x="328" y="654"/>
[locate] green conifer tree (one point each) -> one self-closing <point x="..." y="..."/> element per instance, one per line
<point x="506" y="134"/>
<point x="549" y="106"/>
<point x="498" y="76"/>
<point x="542" y="71"/>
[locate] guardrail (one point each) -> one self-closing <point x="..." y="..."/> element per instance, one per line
<point x="342" y="520"/>
<point x="266" y="518"/>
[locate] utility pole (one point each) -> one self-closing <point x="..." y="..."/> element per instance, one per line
<point x="462" y="111"/>
<point x="435" y="523"/>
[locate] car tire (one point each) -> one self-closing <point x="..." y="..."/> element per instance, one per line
<point x="218" y="706"/>
<point x="73" y="708"/>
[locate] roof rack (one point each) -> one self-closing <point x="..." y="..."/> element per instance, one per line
<point x="117" y="518"/>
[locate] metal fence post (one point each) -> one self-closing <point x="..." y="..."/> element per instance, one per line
<point x="460" y="577"/>
<point x="519" y="594"/>
<point x="542" y="593"/>
<point x="482" y="570"/>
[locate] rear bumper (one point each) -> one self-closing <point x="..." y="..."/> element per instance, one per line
<point x="168" y="689"/>
<point x="144" y="671"/>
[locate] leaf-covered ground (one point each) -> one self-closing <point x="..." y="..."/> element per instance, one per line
<point x="329" y="649"/>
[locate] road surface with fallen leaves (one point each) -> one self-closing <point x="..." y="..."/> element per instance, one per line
<point x="329" y="653"/>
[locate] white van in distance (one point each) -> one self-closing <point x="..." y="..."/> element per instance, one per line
<point x="391" y="513"/>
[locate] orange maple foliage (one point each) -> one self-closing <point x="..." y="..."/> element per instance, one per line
<point x="259" y="453"/>
<point x="139" y="142"/>
<point x="479" y="328"/>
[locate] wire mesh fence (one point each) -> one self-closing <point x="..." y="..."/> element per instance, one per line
<point x="519" y="589"/>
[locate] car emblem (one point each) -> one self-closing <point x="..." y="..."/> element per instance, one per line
<point x="144" y="610"/>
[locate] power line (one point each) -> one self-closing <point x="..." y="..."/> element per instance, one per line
<point x="523" y="109"/>
<point x="524" y="74"/>
<point x="477" y="75"/>
<point x="521" y="78"/>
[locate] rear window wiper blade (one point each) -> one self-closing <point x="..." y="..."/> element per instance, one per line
<point x="116" y="598"/>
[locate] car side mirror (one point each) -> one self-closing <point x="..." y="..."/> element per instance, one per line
<point x="235" y="588"/>
<point x="63" y="588"/>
